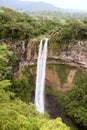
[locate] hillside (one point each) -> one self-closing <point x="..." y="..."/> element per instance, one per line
<point x="60" y="15"/>
<point x="66" y="78"/>
<point x="28" y="6"/>
<point x="43" y="9"/>
<point x="34" y="6"/>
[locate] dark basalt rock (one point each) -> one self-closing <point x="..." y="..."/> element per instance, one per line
<point x="52" y="106"/>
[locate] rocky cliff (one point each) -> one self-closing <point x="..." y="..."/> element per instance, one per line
<point x="75" y="53"/>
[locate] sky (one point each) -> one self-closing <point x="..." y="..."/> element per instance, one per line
<point x="67" y="4"/>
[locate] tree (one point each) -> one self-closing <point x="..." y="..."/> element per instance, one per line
<point x="5" y="67"/>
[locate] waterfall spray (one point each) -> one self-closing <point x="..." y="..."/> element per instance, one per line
<point x="40" y="79"/>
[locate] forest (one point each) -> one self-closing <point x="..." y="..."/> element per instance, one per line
<point x="17" y="112"/>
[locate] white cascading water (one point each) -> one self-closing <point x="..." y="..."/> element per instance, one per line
<point x="40" y="78"/>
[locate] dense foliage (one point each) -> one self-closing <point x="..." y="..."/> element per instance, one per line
<point x="75" y="102"/>
<point x="17" y="115"/>
<point x="15" y="25"/>
<point x="71" y="30"/>
<point x="5" y="67"/>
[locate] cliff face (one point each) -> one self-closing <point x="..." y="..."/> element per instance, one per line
<point x="75" y="54"/>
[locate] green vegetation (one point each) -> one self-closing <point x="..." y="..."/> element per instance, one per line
<point x="25" y="86"/>
<point x="5" y="67"/>
<point x="17" y="115"/>
<point x="59" y="15"/>
<point x="15" y="25"/>
<point x="71" y="31"/>
<point x="75" y="102"/>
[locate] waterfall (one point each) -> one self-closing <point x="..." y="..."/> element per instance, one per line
<point x="40" y="79"/>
